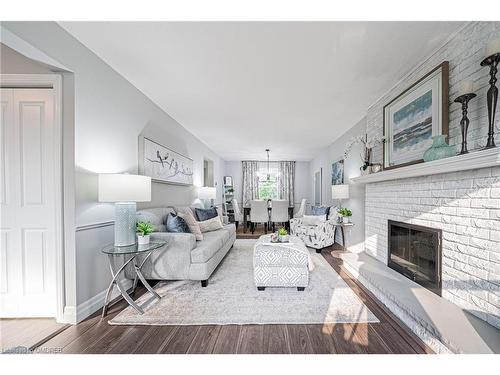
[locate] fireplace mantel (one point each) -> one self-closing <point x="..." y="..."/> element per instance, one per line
<point x="473" y="160"/>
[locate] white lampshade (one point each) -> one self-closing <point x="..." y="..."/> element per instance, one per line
<point x="207" y="192"/>
<point x="124" y="188"/>
<point x="340" y="191"/>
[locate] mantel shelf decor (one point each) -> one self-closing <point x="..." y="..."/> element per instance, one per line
<point x="473" y="160"/>
<point x="493" y="53"/>
<point x="464" y="122"/>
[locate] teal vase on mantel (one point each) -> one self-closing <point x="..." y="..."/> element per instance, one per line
<point x="439" y="149"/>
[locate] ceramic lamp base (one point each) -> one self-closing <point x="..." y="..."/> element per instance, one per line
<point x="125" y="222"/>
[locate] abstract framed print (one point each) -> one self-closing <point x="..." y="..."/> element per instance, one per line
<point x="414" y="117"/>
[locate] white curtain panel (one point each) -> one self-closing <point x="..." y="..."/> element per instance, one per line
<point x="250" y="181"/>
<point x="286" y="181"/>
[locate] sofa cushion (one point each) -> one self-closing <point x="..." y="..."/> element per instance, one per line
<point x="313" y="219"/>
<point x="155" y="216"/>
<point x="176" y="224"/>
<point x="193" y="225"/>
<point x="230" y="230"/>
<point x="210" y="225"/>
<point x="206" y="214"/>
<point x="204" y="250"/>
<point x="318" y="211"/>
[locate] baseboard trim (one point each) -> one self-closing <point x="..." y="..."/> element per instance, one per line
<point x="90" y="306"/>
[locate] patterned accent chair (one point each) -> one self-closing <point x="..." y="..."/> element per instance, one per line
<point x="315" y="236"/>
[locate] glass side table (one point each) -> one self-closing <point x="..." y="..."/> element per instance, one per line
<point x="132" y="251"/>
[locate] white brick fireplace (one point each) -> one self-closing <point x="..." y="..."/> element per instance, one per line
<point x="460" y="196"/>
<point x="466" y="207"/>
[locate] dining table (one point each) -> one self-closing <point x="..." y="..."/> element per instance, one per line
<point x="246" y="212"/>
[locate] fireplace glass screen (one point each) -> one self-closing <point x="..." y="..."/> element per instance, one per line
<point x="415" y="252"/>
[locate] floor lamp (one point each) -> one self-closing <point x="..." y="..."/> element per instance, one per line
<point x="124" y="190"/>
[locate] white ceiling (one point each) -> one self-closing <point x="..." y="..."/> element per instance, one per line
<point x="293" y="87"/>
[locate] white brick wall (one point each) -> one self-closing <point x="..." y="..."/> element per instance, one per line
<point x="464" y="51"/>
<point x="454" y="203"/>
<point x="465" y="205"/>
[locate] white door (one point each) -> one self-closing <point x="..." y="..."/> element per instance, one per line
<point x="28" y="218"/>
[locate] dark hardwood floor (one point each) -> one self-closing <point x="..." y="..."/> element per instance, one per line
<point x="95" y="335"/>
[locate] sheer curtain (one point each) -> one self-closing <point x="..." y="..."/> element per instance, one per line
<point x="250" y="181"/>
<point x="286" y="181"/>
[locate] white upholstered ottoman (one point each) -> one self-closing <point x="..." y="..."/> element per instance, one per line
<point x="281" y="264"/>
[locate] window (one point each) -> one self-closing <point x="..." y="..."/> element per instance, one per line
<point x="268" y="187"/>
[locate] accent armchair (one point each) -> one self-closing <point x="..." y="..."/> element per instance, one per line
<point x="315" y="236"/>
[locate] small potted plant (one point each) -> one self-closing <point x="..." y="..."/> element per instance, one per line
<point x="345" y="214"/>
<point x="143" y="231"/>
<point x="283" y="235"/>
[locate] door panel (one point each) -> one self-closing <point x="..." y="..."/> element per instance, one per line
<point x="28" y="216"/>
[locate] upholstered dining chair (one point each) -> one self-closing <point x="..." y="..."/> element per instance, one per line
<point x="279" y="213"/>
<point x="259" y="214"/>
<point x="302" y="209"/>
<point x="238" y="215"/>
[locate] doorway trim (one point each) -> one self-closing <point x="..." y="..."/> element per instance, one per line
<point x="53" y="81"/>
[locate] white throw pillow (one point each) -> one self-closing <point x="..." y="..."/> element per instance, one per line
<point x="192" y="224"/>
<point x="210" y="224"/>
<point x="313" y="219"/>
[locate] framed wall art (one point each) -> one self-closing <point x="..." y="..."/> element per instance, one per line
<point x="414" y="117"/>
<point x="165" y="165"/>
<point x="338" y="172"/>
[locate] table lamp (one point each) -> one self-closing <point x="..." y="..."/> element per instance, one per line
<point x="207" y="193"/>
<point x="124" y="190"/>
<point x="340" y="192"/>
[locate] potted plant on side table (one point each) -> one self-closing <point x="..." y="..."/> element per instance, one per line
<point x="143" y="231"/>
<point x="345" y="214"/>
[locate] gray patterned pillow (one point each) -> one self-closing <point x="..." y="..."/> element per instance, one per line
<point x="176" y="224"/>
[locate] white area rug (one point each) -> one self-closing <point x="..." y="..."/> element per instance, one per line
<point x="232" y="298"/>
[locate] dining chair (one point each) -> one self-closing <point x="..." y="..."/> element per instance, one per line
<point x="279" y="213"/>
<point x="302" y="209"/>
<point x="259" y="214"/>
<point x="238" y="215"/>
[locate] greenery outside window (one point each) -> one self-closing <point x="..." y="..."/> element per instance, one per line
<point x="268" y="180"/>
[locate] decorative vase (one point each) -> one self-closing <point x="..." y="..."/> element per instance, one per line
<point x="345" y="219"/>
<point x="439" y="149"/>
<point x="143" y="240"/>
<point x="284" y="238"/>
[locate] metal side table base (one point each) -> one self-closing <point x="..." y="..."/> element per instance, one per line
<point x="138" y="275"/>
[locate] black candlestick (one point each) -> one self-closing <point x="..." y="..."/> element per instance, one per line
<point x="464" y="122"/>
<point x="492" y="96"/>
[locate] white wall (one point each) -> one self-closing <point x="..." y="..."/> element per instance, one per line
<point x="354" y="236"/>
<point x="109" y="116"/>
<point x="302" y="180"/>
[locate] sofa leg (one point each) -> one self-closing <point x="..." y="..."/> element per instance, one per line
<point x="236" y="223"/>
<point x="204" y="283"/>
<point x="261" y="288"/>
<point x="318" y="251"/>
<point x="265" y="228"/>
<point x="301" y="288"/>
<point x="252" y="227"/>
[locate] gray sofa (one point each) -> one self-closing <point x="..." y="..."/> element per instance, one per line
<point x="184" y="258"/>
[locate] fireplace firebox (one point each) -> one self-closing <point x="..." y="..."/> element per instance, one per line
<point x="415" y="252"/>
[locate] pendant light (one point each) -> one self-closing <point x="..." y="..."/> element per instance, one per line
<point x="268" y="170"/>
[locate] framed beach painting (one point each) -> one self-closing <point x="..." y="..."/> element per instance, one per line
<point x="165" y="165"/>
<point x="414" y="117"/>
<point x="338" y="172"/>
